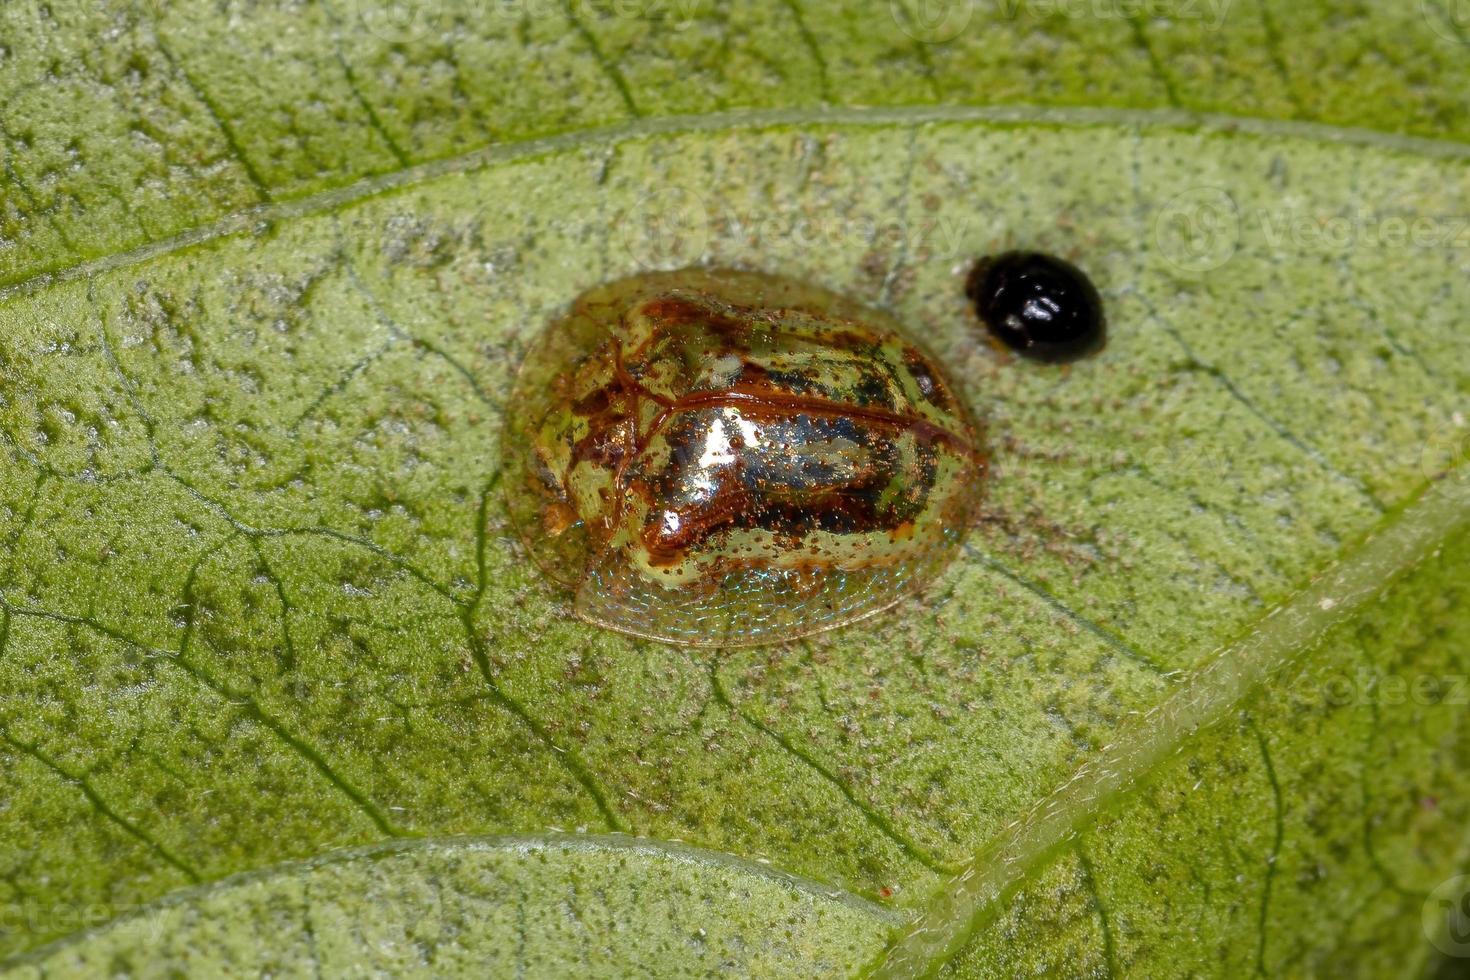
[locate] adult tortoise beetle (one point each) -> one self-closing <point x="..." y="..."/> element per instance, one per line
<point x="723" y="458"/>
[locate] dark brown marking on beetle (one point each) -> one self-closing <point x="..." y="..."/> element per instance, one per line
<point x="606" y="445"/>
<point x="932" y="387"/>
<point x="596" y="402"/>
<point x="675" y="312"/>
<point x="630" y="384"/>
<point x="834" y="332"/>
<point x="754" y="375"/>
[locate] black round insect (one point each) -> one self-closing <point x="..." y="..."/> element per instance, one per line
<point x="1038" y="305"/>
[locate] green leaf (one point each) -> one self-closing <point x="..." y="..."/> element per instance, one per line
<point x="271" y="268"/>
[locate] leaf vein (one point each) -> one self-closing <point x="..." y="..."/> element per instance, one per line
<point x="100" y="804"/>
<point x="613" y="73"/>
<point x="569" y="758"/>
<point x="220" y="120"/>
<point x="1115" y="642"/>
<point x="1156" y="64"/>
<point x="809" y="41"/>
<point x="1279" y="831"/>
<point x="1104" y="917"/>
<point x="1245" y="401"/>
<point x="878" y="821"/>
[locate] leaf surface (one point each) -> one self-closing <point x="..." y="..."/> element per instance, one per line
<point x="261" y="609"/>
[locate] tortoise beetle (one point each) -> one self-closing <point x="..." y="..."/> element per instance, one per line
<point x="715" y="457"/>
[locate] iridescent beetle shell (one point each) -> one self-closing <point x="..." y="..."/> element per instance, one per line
<point x="714" y="457"/>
